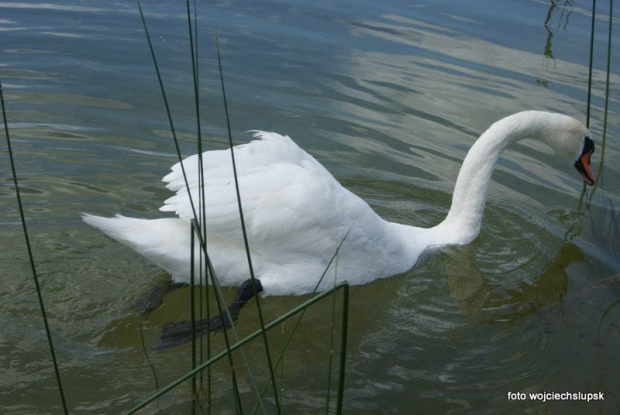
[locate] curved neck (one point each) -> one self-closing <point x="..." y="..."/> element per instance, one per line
<point x="462" y="224"/>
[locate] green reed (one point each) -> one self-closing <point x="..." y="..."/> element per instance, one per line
<point x="33" y="268"/>
<point x="299" y="309"/>
<point x="196" y="213"/>
<point x="200" y="237"/>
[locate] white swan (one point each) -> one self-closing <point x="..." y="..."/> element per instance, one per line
<point x="297" y="214"/>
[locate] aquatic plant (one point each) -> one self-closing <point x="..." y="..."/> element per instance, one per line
<point x="199" y="303"/>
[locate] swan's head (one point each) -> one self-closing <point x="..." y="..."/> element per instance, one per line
<point x="571" y="139"/>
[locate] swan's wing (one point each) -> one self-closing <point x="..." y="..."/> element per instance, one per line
<point x="291" y="203"/>
<point x="268" y="149"/>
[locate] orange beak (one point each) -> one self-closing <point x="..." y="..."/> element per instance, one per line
<point x="584" y="167"/>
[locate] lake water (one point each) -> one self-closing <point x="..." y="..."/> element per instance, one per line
<point x="388" y="96"/>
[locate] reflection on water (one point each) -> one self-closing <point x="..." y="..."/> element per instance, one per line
<point x="564" y="13"/>
<point x="389" y="97"/>
<point x="540" y="292"/>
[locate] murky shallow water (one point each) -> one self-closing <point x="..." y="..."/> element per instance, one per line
<point x="387" y="96"/>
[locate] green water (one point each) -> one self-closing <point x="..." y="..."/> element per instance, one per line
<point x="388" y="96"/>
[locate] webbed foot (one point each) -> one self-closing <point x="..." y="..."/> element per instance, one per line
<point x="180" y="333"/>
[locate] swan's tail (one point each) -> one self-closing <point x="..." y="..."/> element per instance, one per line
<point x="132" y="232"/>
<point x="162" y="241"/>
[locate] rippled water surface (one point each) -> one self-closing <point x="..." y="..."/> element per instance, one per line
<point x="388" y="96"/>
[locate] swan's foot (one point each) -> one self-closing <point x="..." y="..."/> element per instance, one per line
<point x="155" y="298"/>
<point x="180" y="333"/>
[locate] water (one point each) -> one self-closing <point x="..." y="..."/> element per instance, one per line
<point x="388" y="96"/>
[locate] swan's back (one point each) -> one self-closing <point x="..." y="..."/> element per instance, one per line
<point x="286" y="194"/>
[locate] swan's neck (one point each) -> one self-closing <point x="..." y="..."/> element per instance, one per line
<point x="462" y="224"/>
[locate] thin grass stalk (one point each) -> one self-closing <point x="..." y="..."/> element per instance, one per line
<point x="221" y="311"/>
<point x="220" y="299"/>
<point x="219" y="296"/>
<point x="243" y="227"/>
<point x="331" y="340"/>
<point x="194" y="64"/>
<point x="301" y="315"/>
<point x="167" y="108"/>
<point x="588" y="102"/>
<point x="35" y="276"/>
<point x="201" y="240"/>
<point x="205" y="304"/>
<point x="168" y="111"/>
<point x="591" y="63"/>
<point x="192" y="312"/>
<point x="148" y="359"/>
<point x="166" y="104"/>
<point x="202" y="299"/>
<point x="332" y="328"/>
<point x="204" y="279"/>
<point x="343" y="349"/>
<point x="606" y="107"/>
<point x="193" y="47"/>
<point x="589" y="97"/>
<point x="343" y="286"/>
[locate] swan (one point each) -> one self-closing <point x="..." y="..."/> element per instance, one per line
<point x="298" y="216"/>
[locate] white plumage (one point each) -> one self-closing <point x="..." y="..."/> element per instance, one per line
<point x="297" y="214"/>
